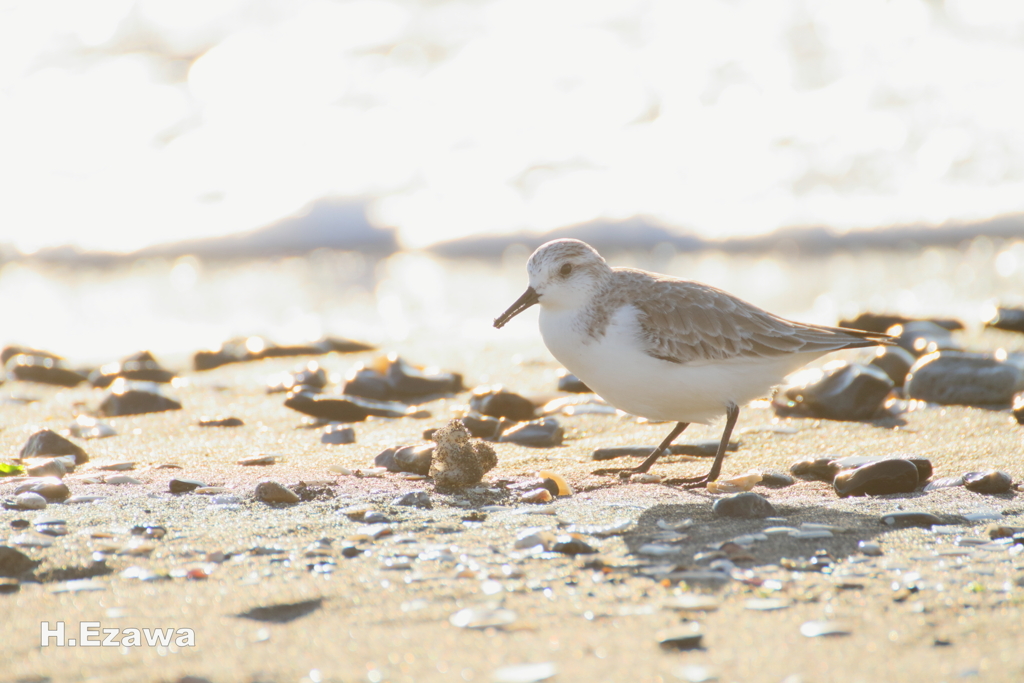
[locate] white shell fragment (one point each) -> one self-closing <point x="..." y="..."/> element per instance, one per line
<point x="480" y="617"/>
<point x="826" y="627"/>
<point x="744" y="482"/>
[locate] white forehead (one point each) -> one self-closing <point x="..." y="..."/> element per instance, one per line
<point x="561" y="251"/>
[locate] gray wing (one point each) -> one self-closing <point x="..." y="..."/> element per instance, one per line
<point x="682" y="321"/>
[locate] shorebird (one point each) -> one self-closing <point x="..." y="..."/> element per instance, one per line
<point x="665" y="348"/>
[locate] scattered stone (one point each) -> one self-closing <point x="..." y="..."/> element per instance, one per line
<point x="28" y="501"/>
<point x="1010" y="319"/>
<point x="571" y="383"/>
<point x="390" y="378"/>
<point x="415" y="459"/>
<point x="310" y="378"/>
<point x="87" y="427"/>
<point x="543" y="433"/>
<point x="457" y="462"/>
<point x="646" y="478"/>
<point x="47" y="442"/>
<point x="482" y="426"/>
<point x="878" y="478"/>
<point x="923" y="465"/>
<point x="922" y="337"/>
<point x="895" y="362"/>
<point x="42" y="369"/>
<point x="127" y="398"/>
<point x="351" y="409"/>
<point x="244" y="349"/>
<point x="693" y="602"/>
<point x="591" y="404"/>
<point x="419" y="499"/>
<point x="50" y="488"/>
<point x="13" y="562"/>
<point x="901" y="520"/>
<point x="9" y="586"/>
<point x="1018" y="408"/>
<point x="337" y="434"/>
<point x="877" y="322"/>
<point x="117" y="479"/>
<point x="498" y="401"/>
<point x="819" y="469"/>
<point x="698" y="448"/>
<point x="141" y="366"/>
<point x="991" y="481"/>
<point x="775" y="480"/>
<point x="869" y="548"/>
<point x="50" y="467"/>
<point x="31" y="539"/>
<point x="837" y="391"/>
<point x="272" y="492"/>
<point x="748" y="505"/>
<point x="682" y="638"/>
<point x="826" y="627"/>
<point x="178" y="485"/>
<point x="374" y="517"/>
<point x="220" y="422"/>
<point x="258" y="461"/>
<point x="945" y="483"/>
<point x="959" y="378"/>
<point x="765" y="604"/>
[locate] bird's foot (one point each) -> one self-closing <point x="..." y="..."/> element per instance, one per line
<point x="689" y="482"/>
<point x="622" y="472"/>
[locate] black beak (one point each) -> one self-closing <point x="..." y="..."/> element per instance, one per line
<point x="529" y="298"/>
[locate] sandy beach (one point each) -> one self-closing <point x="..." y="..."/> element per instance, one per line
<point x="938" y="604"/>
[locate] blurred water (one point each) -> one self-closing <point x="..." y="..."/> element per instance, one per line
<point x="130" y="122"/>
<point x="413" y="299"/>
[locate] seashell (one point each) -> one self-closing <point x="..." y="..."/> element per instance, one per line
<point x="738" y="484"/>
<point x="563" y="486"/>
<point x="646" y="478"/>
<point x="540" y="495"/>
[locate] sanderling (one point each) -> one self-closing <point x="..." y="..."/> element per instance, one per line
<point x="665" y="348"/>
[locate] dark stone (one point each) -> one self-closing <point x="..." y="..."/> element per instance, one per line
<point x="539" y="434"/>
<point x="221" y="422"/>
<point x="310" y="378"/>
<point x="699" y="448"/>
<point x="680" y="639"/>
<point x="819" y="469"/>
<point x="954" y="378"/>
<point x="47" y="442"/>
<point x="42" y="369"/>
<point x="1010" y="319"/>
<point x="141" y="366"/>
<point x="184" y="485"/>
<point x="895" y="362"/>
<point x="337" y="435"/>
<point x="841" y="391"/>
<point x="1018" y="408"/>
<point x="482" y="426"/>
<point x="923" y="465"/>
<point x="419" y="499"/>
<point x="13" y="562"/>
<point x="902" y="520"/>
<point x="877" y="478"/>
<point x="568" y="545"/>
<point x="921" y="337"/>
<point x="243" y="349"/>
<point x="350" y="409"/>
<point x="392" y="378"/>
<point x="500" y="402"/>
<point x="129" y="401"/>
<point x="350" y="551"/>
<point x="342" y="345"/>
<point x="10" y="352"/>
<point x="748" y="505"/>
<point x="875" y="322"/>
<point x="775" y="480"/>
<point x="414" y="459"/>
<point x="551" y="485"/>
<point x="572" y="384"/>
<point x="992" y="481"/>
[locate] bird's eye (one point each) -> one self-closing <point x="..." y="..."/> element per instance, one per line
<point x="565" y="269"/>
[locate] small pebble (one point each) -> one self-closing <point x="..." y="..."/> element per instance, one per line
<point x="1018" y="408"/>
<point x="221" y="422"/>
<point x="902" y="520"/>
<point x="272" y="492"/>
<point x="50" y="488"/>
<point x="827" y="627"/>
<point x="337" y="434"/>
<point x="481" y="617"/>
<point x="178" y="485"/>
<point x="570" y="545"/>
<point x="878" y="478"/>
<point x="869" y="548"/>
<point x="419" y="499"/>
<point x="837" y="391"/>
<point x="957" y="378"/>
<point x="117" y="479"/>
<point x="13" y="562"/>
<point x="539" y="495"/>
<point x="86" y="427"/>
<point x="413" y="459"/>
<point x="543" y="433"/>
<point x="132" y="398"/>
<point x="819" y="469"/>
<point x="500" y="402"/>
<point x="29" y="501"/>
<point x="525" y="673"/>
<point x="47" y="442"/>
<point x="258" y="461"/>
<point x="683" y="638"/>
<point x="894" y="361"/>
<point x="646" y="478"/>
<point x="747" y="505"/>
<point x="991" y="481"/>
<point x="51" y="467"/>
<point x="775" y="479"/>
<point x="571" y="383"/>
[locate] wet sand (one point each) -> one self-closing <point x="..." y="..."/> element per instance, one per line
<point x="932" y="607"/>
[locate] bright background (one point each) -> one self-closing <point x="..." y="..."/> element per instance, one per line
<point x="125" y="123"/>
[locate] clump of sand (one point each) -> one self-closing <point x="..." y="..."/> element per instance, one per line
<point x="458" y="462"/>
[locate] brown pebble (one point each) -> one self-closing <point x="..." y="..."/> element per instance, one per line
<point x="272" y="492"/>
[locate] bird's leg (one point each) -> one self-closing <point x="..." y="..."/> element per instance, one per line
<point x="731" y="413"/>
<point x="656" y="453"/>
